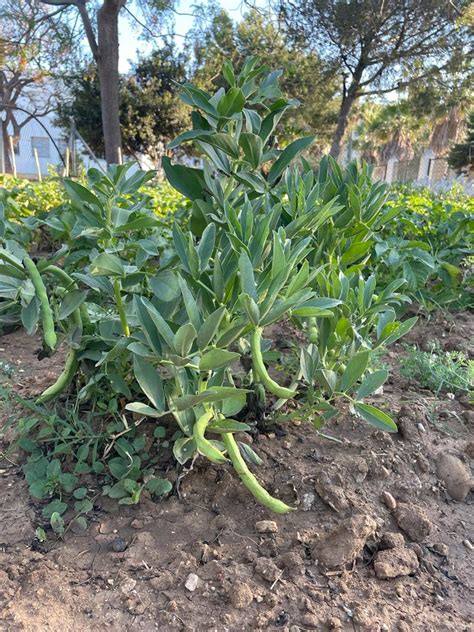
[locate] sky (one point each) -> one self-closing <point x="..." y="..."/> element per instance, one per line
<point x="130" y="43"/>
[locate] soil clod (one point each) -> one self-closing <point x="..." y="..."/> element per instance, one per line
<point x="345" y="543"/>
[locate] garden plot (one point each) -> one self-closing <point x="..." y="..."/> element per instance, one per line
<point x="376" y="543"/>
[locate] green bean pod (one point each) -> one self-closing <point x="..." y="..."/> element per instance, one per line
<point x="204" y="446"/>
<point x="49" y="335"/>
<point x="312" y="330"/>
<point x="81" y="315"/>
<point x="248" y="479"/>
<point x="8" y="258"/>
<point x="261" y="371"/>
<point x="63" y="380"/>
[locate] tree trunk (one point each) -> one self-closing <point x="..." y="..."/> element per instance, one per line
<point x="342" y="122"/>
<point x="7" y="163"/>
<point x="107" y="64"/>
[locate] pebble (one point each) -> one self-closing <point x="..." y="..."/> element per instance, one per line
<point x="468" y="545"/>
<point x="192" y="582"/>
<point x="308" y="501"/>
<point x="421" y="427"/>
<point x="389" y="500"/>
<point x="119" y="545"/>
<point x="441" y="548"/>
<point x="454" y="474"/>
<point x="266" y="526"/>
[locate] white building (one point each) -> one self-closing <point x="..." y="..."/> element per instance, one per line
<point x="42" y="146"/>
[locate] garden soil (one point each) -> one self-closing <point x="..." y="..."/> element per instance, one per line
<point x="378" y="540"/>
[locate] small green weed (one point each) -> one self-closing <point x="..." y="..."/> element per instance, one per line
<point x="65" y="446"/>
<point x="439" y="370"/>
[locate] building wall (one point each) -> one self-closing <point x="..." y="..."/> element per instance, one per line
<point x="50" y="144"/>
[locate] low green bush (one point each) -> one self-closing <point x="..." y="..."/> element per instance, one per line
<point x="438" y="370"/>
<point x="430" y="244"/>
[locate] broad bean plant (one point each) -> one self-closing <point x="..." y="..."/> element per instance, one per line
<point x="270" y="239"/>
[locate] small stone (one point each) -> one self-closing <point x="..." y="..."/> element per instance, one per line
<point x="391" y="540"/>
<point x="240" y="595"/>
<point x="266" y="526"/>
<point x="286" y="445"/>
<point x="440" y="548"/>
<point x="119" y="545"/>
<point x="308" y="501"/>
<point x="137" y="524"/>
<point x="397" y="562"/>
<point x="127" y="585"/>
<point x="421" y="427"/>
<point x="412" y="521"/>
<point x="192" y="582"/>
<point x="267" y="569"/>
<point x="335" y="623"/>
<point x="454" y="475"/>
<point x="468" y="545"/>
<point x="389" y="500"/>
<point x="451" y="396"/>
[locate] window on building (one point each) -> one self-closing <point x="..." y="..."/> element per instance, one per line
<point x="41" y="144"/>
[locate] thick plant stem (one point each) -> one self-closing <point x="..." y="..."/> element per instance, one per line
<point x="121" y="308"/>
<point x="204" y="446"/>
<point x="49" y="335"/>
<point x="248" y="479"/>
<point x="63" y="380"/>
<point x="259" y="368"/>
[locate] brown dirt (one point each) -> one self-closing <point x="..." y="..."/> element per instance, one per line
<point x="243" y="579"/>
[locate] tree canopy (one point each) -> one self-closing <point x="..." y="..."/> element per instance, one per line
<point x="376" y="47"/>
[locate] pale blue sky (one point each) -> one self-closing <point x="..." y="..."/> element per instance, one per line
<point x="129" y="36"/>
